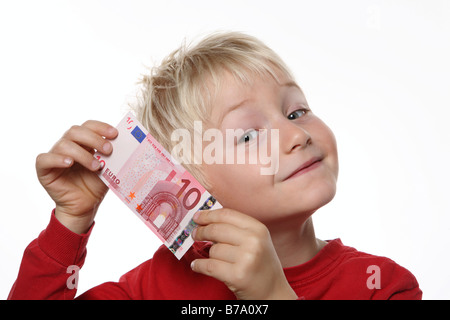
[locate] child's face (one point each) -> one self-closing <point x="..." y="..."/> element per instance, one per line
<point x="302" y="136"/>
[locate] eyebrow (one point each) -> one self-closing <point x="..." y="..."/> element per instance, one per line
<point x="230" y="109"/>
<point x="243" y="102"/>
<point x="236" y="106"/>
<point x="291" y="84"/>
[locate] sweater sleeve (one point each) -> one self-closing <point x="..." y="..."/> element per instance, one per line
<point x="50" y="264"/>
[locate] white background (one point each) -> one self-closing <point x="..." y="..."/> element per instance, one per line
<point x="377" y="72"/>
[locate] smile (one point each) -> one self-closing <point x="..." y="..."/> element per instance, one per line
<point x="306" y="167"/>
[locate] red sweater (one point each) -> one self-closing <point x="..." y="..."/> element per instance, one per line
<point x="336" y="272"/>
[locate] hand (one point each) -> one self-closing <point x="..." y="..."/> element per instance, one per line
<point x="242" y="256"/>
<point x="68" y="173"/>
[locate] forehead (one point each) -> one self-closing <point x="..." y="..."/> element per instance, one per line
<point x="233" y="93"/>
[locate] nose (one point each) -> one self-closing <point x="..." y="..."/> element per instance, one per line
<point x="293" y="137"/>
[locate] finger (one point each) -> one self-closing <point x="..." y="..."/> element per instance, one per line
<point x="71" y="150"/>
<point x="48" y="161"/>
<point x="88" y="138"/>
<point x="214" y="268"/>
<point x="102" y="128"/>
<point x="219" y="233"/>
<point x="225" y="215"/>
<point x="224" y="252"/>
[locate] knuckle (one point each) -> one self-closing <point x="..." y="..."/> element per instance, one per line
<point x="73" y="130"/>
<point x="206" y="215"/>
<point x="209" y="267"/>
<point x="39" y="160"/>
<point x="208" y="232"/>
<point x="213" y="230"/>
<point x="87" y="123"/>
<point x="250" y="259"/>
<point x="39" y="157"/>
<point x="75" y="127"/>
<point x="239" y="275"/>
<point x="62" y="144"/>
<point x="259" y="234"/>
<point x="225" y="213"/>
<point x="254" y="241"/>
<point x="261" y="230"/>
<point x="254" y="247"/>
<point x="213" y="251"/>
<point x="246" y="259"/>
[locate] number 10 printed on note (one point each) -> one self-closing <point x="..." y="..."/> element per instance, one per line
<point x="161" y="192"/>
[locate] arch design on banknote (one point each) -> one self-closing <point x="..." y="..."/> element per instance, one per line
<point x="161" y="203"/>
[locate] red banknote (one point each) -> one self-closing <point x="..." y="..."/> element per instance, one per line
<point x="161" y="192"/>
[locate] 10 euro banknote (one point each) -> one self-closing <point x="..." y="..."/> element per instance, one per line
<point x="161" y="192"/>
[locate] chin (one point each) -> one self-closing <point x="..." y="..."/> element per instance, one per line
<point x="308" y="203"/>
<point x="321" y="195"/>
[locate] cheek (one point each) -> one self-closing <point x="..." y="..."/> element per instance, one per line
<point x="232" y="185"/>
<point x="219" y="180"/>
<point x="333" y="153"/>
<point x="326" y="140"/>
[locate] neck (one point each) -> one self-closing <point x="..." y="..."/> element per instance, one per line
<point x="297" y="244"/>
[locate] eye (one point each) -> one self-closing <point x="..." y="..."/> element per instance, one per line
<point x="297" y="114"/>
<point x="247" y="136"/>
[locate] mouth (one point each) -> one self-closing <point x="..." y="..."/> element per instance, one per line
<point x="306" y="167"/>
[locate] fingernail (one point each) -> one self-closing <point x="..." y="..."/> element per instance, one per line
<point x="95" y="164"/>
<point x="192" y="264"/>
<point x="68" y="161"/>
<point x="196" y="215"/>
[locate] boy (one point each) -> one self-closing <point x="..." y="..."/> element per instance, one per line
<point x="261" y="245"/>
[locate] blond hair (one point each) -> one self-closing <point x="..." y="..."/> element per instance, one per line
<point x="180" y="90"/>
